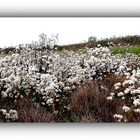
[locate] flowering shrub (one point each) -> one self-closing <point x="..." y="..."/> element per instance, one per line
<point x="11" y="115"/>
<point x="128" y="90"/>
<point x="50" y="79"/>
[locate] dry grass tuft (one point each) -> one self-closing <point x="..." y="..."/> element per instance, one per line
<point x="28" y="112"/>
<point x="90" y="104"/>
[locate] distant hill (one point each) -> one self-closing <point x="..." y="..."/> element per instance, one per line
<point x="108" y="42"/>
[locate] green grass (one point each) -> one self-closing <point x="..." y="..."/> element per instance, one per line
<point x="124" y="50"/>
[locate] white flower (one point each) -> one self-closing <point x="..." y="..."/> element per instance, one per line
<point x="12" y="77"/>
<point x="120" y="94"/>
<point x="121" y="68"/>
<point x="117" y="84"/>
<point x="57" y="100"/>
<point x="116" y="87"/>
<point x="13" y="115"/>
<point x="16" y="82"/>
<point x="8" y="90"/>
<point x="46" y="77"/>
<point x="123" y="98"/>
<point x="43" y="77"/>
<point x="137" y="110"/>
<point x="67" y="88"/>
<point x="129" y="82"/>
<point x="109" y="98"/>
<point x="49" y="89"/>
<point x="112" y="94"/>
<point x="118" y="116"/>
<point x="73" y="87"/>
<point x="138" y="74"/>
<point x="50" y="101"/>
<point x="136" y="91"/>
<point x="4" y="111"/>
<point x="126" y="108"/>
<point x="42" y="103"/>
<point x="136" y="102"/>
<point x="7" y="116"/>
<point x="3" y="94"/>
<point x="127" y="90"/>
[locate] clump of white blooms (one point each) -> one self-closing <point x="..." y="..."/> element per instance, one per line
<point x="136" y="102"/>
<point x="118" y="117"/>
<point x="126" y="108"/>
<point x="117" y="85"/>
<point x="130" y="90"/>
<point x="50" y="101"/>
<point x="11" y="115"/>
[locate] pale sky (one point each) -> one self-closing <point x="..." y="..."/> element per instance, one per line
<point x="14" y="31"/>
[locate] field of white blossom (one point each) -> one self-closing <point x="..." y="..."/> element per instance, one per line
<point x="40" y="84"/>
